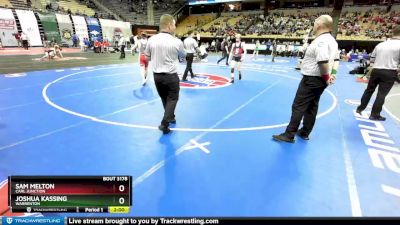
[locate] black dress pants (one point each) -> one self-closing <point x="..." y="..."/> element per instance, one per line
<point x="167" y="86"/>
<point x="305" y="105"/>
<point x="385" y="80"/>
<point x="189" y="62"/>
<point x="224" y="56"/>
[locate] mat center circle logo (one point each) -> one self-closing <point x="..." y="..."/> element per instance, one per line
<point x="205" y="81"/>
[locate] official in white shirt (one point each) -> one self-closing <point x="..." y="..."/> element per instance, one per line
<point x="316" y="68"/>
<point x="122" y="44"/>
<point x="191" y="47"/>
<point x="164" y="51"/>
<point x="386" y="59"/>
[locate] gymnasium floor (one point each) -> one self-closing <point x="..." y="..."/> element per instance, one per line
<point x="220" y="159"/>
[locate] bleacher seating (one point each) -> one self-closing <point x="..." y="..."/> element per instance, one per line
<point x="19" y="4"/>
<point x="76" y="7"/>
<point x="135" y="11"/>
<point x="123" y="9"/>
<point x="193" y="22"/>
<point x="367" y="23"/>
<point x="5" y="4"/>
<point x="166" y="7"/>
<point x="282" y="23"/>
<point x="215" y="27"/>
<point x="62" y="6"/>
<point x="355" y="23"/>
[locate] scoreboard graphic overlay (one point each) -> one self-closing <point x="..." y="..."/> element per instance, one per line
<point x="77" y="194"/>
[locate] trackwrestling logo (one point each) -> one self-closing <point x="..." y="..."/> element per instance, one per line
<point x="205" y="81"/>
<point x="33" y="220"/>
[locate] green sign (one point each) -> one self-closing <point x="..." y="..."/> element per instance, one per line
<point x="49" y="23"/>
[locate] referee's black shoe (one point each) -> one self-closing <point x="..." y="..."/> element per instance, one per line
<point x="283" y="138"/>
<point x="164" y="129"/>
<point x="359" y="111"/>
<point x="303" y="135"/>
<point x="377" y="118"/>
<point x="173" y="121"/>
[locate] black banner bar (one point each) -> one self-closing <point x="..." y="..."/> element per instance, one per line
<point x="223" y="221"/>
<point x="79" y="209"/>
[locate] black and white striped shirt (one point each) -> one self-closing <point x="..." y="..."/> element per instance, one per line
<point x="323" y="49"/>
<point x="164" y="51"/>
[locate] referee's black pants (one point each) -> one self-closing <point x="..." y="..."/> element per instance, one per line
<point x="168" y="88"/>
<point x="25" y="44"/>
<point x="224" y="56"/>
<point x="122" y="52"/>
<point x="305" y="105"/>
<point x="189" y="62"/>
<point x="385" y="80"/>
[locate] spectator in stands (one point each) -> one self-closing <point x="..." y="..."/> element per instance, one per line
<point x="97" y="46"/>
<point x="133" y="44"/>
<point x="87" y="43"/>
<point x="18" y="38"/>
<point x="43" y="37"/>
<point x="269" y="43"/>
<point x="25" y="41"/>
<point x="104" y="45"/>
<point x="122" y="44"/>
<point x="274" y="50"/>
<point x="75" y="40"/>
<point x="256" y="49"/>
<point x="82" y="45"/>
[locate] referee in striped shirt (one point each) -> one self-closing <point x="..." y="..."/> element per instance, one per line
<point x="386" y="60"/>
<point x="164" y="51"/>
<point x="316" y="68"/>
<point x="191" y="47"/>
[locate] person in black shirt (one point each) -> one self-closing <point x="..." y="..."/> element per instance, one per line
<point x="225" y="49"/>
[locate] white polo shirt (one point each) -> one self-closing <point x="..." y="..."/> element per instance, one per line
<point x="387" y="55"/>
<point x="322" y="50"/>
<point x="190" y="45"/>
